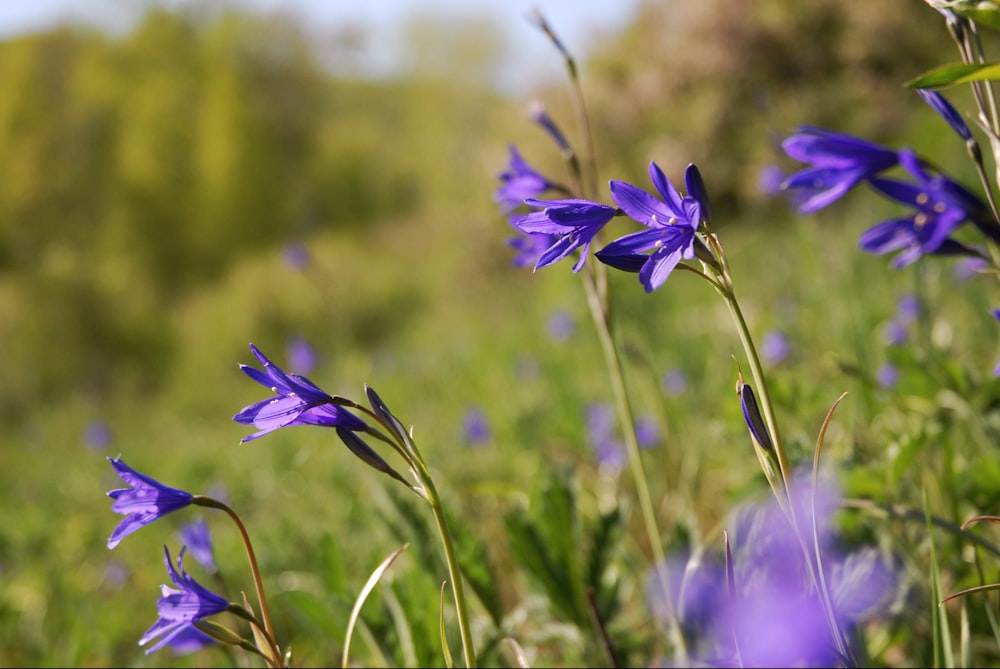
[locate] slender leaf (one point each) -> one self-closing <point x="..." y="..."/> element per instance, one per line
<point x="362" y="596"/>
<point x="953" y="74"/>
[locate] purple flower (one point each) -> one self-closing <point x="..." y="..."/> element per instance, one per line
<point x="941" y="206"/>
<point x="198" y="539"/>
<point x="542" y="118"/>
<point x="189" y="640"/>
<point x="145" y="501"/>
<point x="839" y="162"/>
<point x="97" y="435"/>
<point x="671" y="222"/>
<point x="608" y="450"/>
<point x="296" y="255"/>
<point x="752" y="416"/>
<point x="941" y="105"/>
<point x="561" y="325"/>
<point x="674" y="382"/>
<point x="180" y="608"/>
<point x="299" y="402"/>
<point x="573" y="221"/>
<point x="887" y="375"/>
<point x="520" y="182"/>
<point x="301" y="356"/>
<point x="529" y="247"/>
<point x="968" y="267"/>
<point x="647" y="432"/>
<point x="775" y="347"/>
<point x="475" y="427"/>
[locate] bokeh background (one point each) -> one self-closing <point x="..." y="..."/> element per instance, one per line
<point x="180" y="179"/>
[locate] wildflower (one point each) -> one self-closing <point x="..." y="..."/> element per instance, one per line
<point x="520" y="182"/>
<point x="674" y="382"/>
<point x="941" y="206"/>
<point x="671" y="222"/>
<point x="180" y="608"/>
<point x="299" y="402"/>
<point x="475" y="427"/>
<point x="296" y="256"/>
<point x="97" y="435"/>
<point x="540" y="116"/>
<point x="608" y="450"/>
<point x="573" y="221"/>
<point x="647" y="433"/>
<point x="839" y="162"/>
<point x="146" y="501"/>
<point x="189" y="640"/>
<point x="969" y="266"/>
<point x="775" y="347"/>
<point x="529" y="247"/>
<point x="561" y="325"/>
<point x="195" y="536"/>
<point x="301" y="356"/>
<point x="887" y="375"/>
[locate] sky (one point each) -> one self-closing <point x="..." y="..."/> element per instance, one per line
<point x="578" y="23"/>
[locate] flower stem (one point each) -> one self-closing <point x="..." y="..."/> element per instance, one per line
<point x="265" y="612"/>
<point x="613" y="362"/>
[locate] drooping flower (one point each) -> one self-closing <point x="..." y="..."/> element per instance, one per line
<point x="671" y="224"/>
<point x="179" y="608"/>
<point x="540" y="116"/>
<point x="196" y="536"/>
<point x="519" y="182"/>
<point x="145" y="501"/>
<point x="838" y="162"/>
<point x="946" y="111"/>
<point x="940" y="204"/>
<point x="299" y="402"/>
<point x="573" y="221"/>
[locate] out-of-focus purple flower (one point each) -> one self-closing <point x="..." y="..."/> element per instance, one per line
<point x="996" y="368"/>
<point x="561" y="325"/>
<point x="941" y="206"/>
<point x="674" y="382"/>
<point x="967" y="267"/>
<point x="896" y="333"/>
<point x="520" y="182"/>
<point x="839" y="162"/>
<point x="647" y="432"/>
<point x="946" y="111"/>
<point x="180" y="608"/>
<point x="529" y="247"/>
<point x="887" y="375"/>
<point x="475" y="427"/>
<point x="145" y="501"/>
<point x="299" y="402"/>
<point x="97" y="435"/>
<point x="775" y="347"/>
<point x="301" y="355"/>
<point x="115" y="573"/>
<point x="196" y="536"/>
<point x="775" y="617"/>
<point x="671" y="224"/>
<point x="908" y="309"/>
<point x="609" y="451"/>
<point x="296" y="255"/>
<point x="770" y="179"/>
<point x="573" y="221"/>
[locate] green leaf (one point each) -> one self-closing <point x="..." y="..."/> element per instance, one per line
<point x="362" y="596"/>
<point x="984" y="12"/>
<point x="953" y="74"/>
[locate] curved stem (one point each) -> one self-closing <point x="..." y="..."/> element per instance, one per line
<point x="265" y="612"/>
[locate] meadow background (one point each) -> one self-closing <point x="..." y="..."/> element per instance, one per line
<point x="202" y="181"/>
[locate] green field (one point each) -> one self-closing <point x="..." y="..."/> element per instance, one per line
<point x="155" y="182"/>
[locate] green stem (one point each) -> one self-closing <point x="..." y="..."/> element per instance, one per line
<point x="454" y="572"/>
<point x="624" y="410"/>
<point x="265" y="612"/>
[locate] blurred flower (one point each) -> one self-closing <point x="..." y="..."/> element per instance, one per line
<point x="887" y="375"/>
<point x="301" y="355"/>
<point x="146" y="501"/>
<point x="115" y="573"/>
<point x="299" y="402"/>
<point x="296" y="255"/>
<point x="647" y="432"/>
<point x="196" y="537"/>
<point x="180" y="608"/>
<point x="941" y="206"/>
<point x="769" y="179"/>
<point x="573" y="221"/>
<point x="839" y="162"/>
<point x="671" y="224"/>
<point x="540" y="116"/>
<point x="475" y="427"/>
<point x="608" y="450"/>
<point x="967" y="267"/>
<point x="674" y="382"/>
<point x="97" y="435"/>
<point x="529" y="247"/>
<point x="896" y="332"/>
<point x="189" y="639"/>
<point x="561" y="325"/>
<point x="775" y="347"/>
<point x="908" y="309"/>
<point x="519" y="182"/>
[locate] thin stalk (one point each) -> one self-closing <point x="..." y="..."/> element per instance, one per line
<point x="624" y="410"/>
<point x="265" y="611"/>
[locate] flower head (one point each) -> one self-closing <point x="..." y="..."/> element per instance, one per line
<point x="940" y="204"/>
<point x="519" y="182"/>
<point x="180" y="608"/>
<point x="195" y="535"/>
<point x="299" y="402"/>
<point x="574" y="222"/>
<point x="839" y="162"/>
<point x="145" y="501"/>
<point x="529" y="247"/>
<point x="671" y="224"/>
